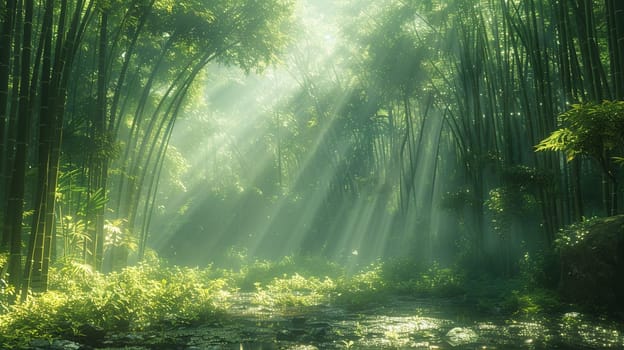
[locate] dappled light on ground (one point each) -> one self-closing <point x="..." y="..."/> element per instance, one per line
<point x="295" y="303"/>
<point x="399" y="324"/>
<point x="311" y="174"/>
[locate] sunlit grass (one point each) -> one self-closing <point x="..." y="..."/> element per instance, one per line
<point x="311" y="281"/>
<point x="262" y="273"/>
<point x="294" y="291"/>
<point x="147" y="296"/>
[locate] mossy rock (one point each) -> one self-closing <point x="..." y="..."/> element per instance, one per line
<point x="592" y="262"/>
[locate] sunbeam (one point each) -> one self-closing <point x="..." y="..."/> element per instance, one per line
<point x="311" y="174"/>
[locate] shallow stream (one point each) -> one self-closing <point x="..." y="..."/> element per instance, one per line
<point x="398" y="324"/>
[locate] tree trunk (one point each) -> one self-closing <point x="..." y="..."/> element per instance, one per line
<point x="615" y="25"/>
<point x="594" y="72"/>
<point x="6" y="46"/>
<point x="13" y="222"/>
<point x="53" y="96"/>
<point x="98" y="172"/>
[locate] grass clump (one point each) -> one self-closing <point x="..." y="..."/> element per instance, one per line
<point x="408" y="278"/>
<point x="532" y="302"/>
<point x="308" y="281"/>
<point x="397" y="277"/>
<point x="264" y="271"/>
<point x="362" y="289"/>
<point x="294" y="291"/>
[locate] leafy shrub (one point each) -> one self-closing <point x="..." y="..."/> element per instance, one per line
<point x="436" y="281"/>
<point x="593" y="129"/>
<point x="294" y="291"/>
<point x="7" y="292"/>
<point x="371" y="285"/>
<point x="532" y="302"/>
<point x="364" y="288"/>
<point x="538" y="270"/>
<point x="399" y="270"/>
<point x="400" y="276"/>
<point x="151" y="296"/>
<point x="146" y="296"/>
<point x="575" y="234"/>
<point x="264" y="271"/>
<point x="408" y="277"/>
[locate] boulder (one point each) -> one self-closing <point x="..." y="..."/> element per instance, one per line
<point x="592" y="263"/>
<point x="461" y="336"/>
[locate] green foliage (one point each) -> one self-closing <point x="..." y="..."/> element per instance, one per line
<point x="176" y="166"/>
<point x="362" y="289"/>
<point x="434" y="281"/>
<point x="510" y="296"/>
<point x="7" y="292"/>
<point x="506" y="204"/>
<point x="510" y="203"/>
<point x="77" y="205"/>
<point x="104" y="147"/>
<point x="532" y="292"/>
<point x="502" y="204"/>
<point x="397" y="277"/>
<point x="539" y="270"/>
<point x="264" y="272"/>
<point x="249" y="34"/>
<point x="294" y="291"/>
<point x="525" y="178"/>
<point x="458" y="200"/>
<point x="559" y="140"/>
<point x="308" y="281"/>
<point x="532" y="302"/>
<point x="399" y="270"/>
<point x="589" y="129"/>
<point x="152" y="296"/>
<point x="117" y="236"/>
<point x="574" y="234"/>
<point x="146" y="296"/>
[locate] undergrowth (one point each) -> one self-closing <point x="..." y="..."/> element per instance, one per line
<point x="282" y="285"/>
<point x="263" y="272"/>
<point x="153" y="296"/>
<point x="146" y="296"/>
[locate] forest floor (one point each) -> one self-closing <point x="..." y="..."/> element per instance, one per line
<point x="398" y="323"/>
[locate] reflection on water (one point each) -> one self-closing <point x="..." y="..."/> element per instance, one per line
<point x="399" y="324"/>
<point x="421" y="324"/>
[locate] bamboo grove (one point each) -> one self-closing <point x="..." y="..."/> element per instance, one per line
<point x="429" y="130"/>
<point x="488" y="80"/>
<point x="425" y="105"/>
<point x="89" y="94"/>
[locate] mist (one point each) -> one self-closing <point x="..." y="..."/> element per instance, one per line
<point x="288" y="174"/>
<point x="306" y="158"/>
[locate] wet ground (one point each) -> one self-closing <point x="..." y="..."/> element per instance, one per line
<point x="399" y="324"/>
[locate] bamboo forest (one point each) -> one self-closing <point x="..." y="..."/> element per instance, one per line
<point x="311" y="174"/>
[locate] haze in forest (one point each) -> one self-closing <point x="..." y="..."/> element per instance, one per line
<point x="311" y="174"/>
<point x="278" y="163"/>
<point x="461" y="133"/>
<point x="247" y="191"/>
